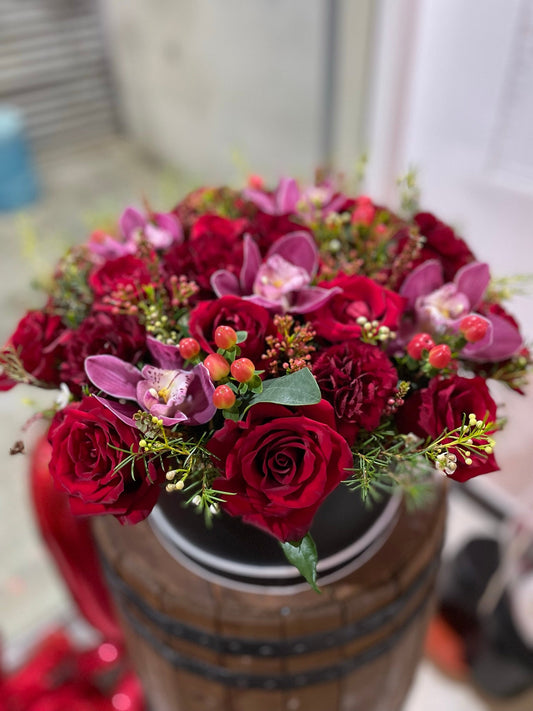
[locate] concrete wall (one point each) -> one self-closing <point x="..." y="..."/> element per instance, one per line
<point x="218" y="85"/>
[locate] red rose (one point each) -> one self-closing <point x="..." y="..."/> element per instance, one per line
<point x="216" y="243"/>
<point x="100" y="333"/>
<point x="361" y="297"/>
<point x="126" y="272"/>
<point x="279" y="465"/>
<point x="442" y="406"/>
<point x="86" y="439"/>
<point x="36" y="340"/>
<point x="441" y="243"/>
<point x="238" y="313"/>
<point x="357" y="379"/>
<point x="267" y="229"/>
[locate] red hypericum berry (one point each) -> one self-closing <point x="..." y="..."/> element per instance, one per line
<point x="225" y="337"/>
<point x="473" y="328"/>
<point x="242" y="369"/>
<point x="217" y="366"/>
<point x="256" y="182"/>
<point x="419" y="343"/>
<point x="223" y="397"/>
<point x="189" y="348"/>
<point x="440" y="356"/>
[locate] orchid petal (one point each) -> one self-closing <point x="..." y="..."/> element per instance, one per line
<point x="506" y="341"/>
<point x="275" y="307"/>
<point x="297" y="248"/>
<point x="159" y="411"/>
<point x="202" y="384"/>
<point x="158" y="238"/>
<point x="312" y="298"/>
<point x="473" y="280"/>
<point x="224" y="282"/>
<point x="165" y="355"/>
<point x="170" y="223"/>
<point x="287" y="195"/>
<point x="260" y="199"/>
<point x="423" y="280"/>
<point x="112" y="375"/>
<point x="131" y="220"/>
<point x="250" y="264"/>
<point x="124" y="411"/>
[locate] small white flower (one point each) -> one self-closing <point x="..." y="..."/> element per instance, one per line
<point x="63" y="397"/>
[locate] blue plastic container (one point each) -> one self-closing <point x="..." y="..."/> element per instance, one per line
<point x="18" y="181"/>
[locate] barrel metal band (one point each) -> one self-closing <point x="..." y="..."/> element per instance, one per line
<point x="274" y="682"/>
<point x="269" y="647"/>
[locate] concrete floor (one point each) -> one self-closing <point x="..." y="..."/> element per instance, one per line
<point x="79" y="192"/>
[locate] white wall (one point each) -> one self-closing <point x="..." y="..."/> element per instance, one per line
<point x="464" y="118"/>
<point x="203" y="81"/>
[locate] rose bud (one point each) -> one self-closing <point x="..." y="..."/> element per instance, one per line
<point x="242" y="369"/>
<point x="418" y="344"/>
<point x="440" y="356"/>
<point x="217" y="366"/>
<point x="223" y="397"/>
<point x="189" y="348"/>
<point x="473" y="328"/>
<point x="225" y="337"/>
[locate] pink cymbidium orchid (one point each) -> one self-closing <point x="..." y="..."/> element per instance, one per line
<point x="160" y="229"/>
<point x="282" y="282"/>
<point x="166" y="390"/>
<point x="288" y="197"/>
<point x="439" y="307"/>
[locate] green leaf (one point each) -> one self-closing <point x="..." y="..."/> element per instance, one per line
<point x="242" y="336"/>
<point x="298" y="388"/>
<point x="304" y="557"/>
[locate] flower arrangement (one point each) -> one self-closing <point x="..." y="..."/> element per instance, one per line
<point x="252" y="350"/>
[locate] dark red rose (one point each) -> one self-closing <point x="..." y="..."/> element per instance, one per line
<point x="279" y="465"/>
<point x="442" y="406"/>
<point x="126" y="272"/>
<point x="178" y="260"/>
<point x="357" y="379"/>
<point x="216" y="243"/>
<point x="238" y="313"/>
<point x="100" y="333"/>
<point x="86" y="438"/>
<point x="362" y="297"/>
<point x="36" y="340"/>
<point x="267" y="229"/>
<point x="441" y="243"/>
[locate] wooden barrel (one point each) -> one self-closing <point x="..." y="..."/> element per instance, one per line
<point x="198" y="645"/>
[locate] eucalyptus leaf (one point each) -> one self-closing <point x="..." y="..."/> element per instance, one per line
<point x="304" y="557"/>
<point x="296" y="389"/>
<point x="242" y="336"/>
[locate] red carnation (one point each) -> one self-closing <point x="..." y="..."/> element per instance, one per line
<point x="123" y="273"/>
<point x="36" y="340"/>
<point x="100" y="333"/>
<point x="267" y="229"/>
<point x="357" y="379"/>
<point x="232" y="311"/>
<point x="442" y="406"/>
<point x="87" y="449"/>
<point x="440" y="243"/>
<point x="362" y="297"/>
<point x="279" y="465"/>
<point x="216" y="243"/>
